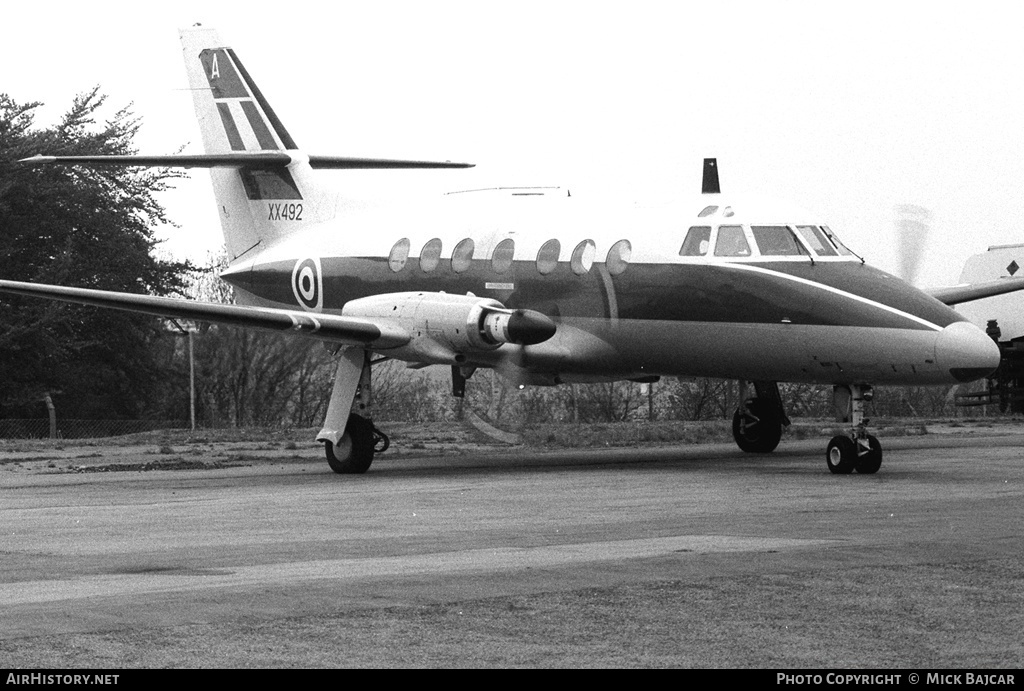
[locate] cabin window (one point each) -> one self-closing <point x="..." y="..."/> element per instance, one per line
<point x="618" y="257"/>
<point x="731" y="242"/>
<point x="697" y="242"/>
<point x="842" y="249"/>
<point x="774" y="241"/>
<point x="501" y="258"/>
<point x="462" y="256"/>
<point x="583" y="257"/>
<point x="547" y="257"/>
<point x="399" y="255"/>
<point x="430" y="255"/>
<point x="813" y="236"/>
<point x="707" y="211"/>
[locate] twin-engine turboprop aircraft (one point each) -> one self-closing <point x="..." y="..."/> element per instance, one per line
<point x="544" y="288"/>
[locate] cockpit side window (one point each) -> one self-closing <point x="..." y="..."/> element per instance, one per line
<point x="697" y="242"/>
<point x="813" y="236"/>
<point x="776" y="241"/>
<point x="837" y="242"/>
<point x="731" y="242"/>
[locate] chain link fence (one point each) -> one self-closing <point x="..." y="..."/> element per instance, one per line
<point x="39" y="428"/>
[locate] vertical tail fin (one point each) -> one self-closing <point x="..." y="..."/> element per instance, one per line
<point x="263" y="184"/>
<point x="257" y="206"/>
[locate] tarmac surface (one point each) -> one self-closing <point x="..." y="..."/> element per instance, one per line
<point x="670" y="556"/>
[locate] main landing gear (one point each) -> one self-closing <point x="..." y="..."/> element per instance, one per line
<point x="758" y="422"/>
<point x="350" y="439"/>
<point x="859" y="450"/>
<point x="355" y="451"/>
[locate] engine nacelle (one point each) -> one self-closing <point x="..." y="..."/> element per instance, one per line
<point x="444" y="326"/>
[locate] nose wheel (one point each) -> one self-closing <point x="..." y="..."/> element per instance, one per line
<point x="845" y="455"/>
<point x="858" y="451"/>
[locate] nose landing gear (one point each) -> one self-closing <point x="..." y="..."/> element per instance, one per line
<point x="859" y="450"/>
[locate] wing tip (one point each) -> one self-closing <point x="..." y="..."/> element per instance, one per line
<point x="38" y="159"/>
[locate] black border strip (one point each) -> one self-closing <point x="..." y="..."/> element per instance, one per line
<point x="275" y="121"/>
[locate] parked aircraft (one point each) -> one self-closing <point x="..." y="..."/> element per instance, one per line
<point x="1001" y="319"/>
<point x="546" y="288"/>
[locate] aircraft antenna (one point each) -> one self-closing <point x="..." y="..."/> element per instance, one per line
<point x="710" y="184"/>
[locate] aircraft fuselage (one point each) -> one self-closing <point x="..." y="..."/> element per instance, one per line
<point x="628" y="305"/>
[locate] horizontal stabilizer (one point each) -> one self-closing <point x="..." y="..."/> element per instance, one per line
<point x="344" y="163"/>
<point x="968" y="293"/>
<point x="346" y="330"/>
<point x="243" y="160"/>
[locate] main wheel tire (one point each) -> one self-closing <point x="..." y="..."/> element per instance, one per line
<point x="355" y="452"/>
<point x="871" y="461"/>
<point x="841" y="455"/>
<point x="761" y="436"/>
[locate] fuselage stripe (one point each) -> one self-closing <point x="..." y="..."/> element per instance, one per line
<point x="830" y="289"/>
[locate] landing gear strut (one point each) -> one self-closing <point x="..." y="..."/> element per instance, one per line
<point x="349" y="436"/>
<point x="859" y="450"/>
<point x="758" y="422"/>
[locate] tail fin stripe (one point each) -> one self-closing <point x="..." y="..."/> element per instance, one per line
<point x="234" y="137"/>
<point x="275" y="122"/>
<point x="259" y="127"/>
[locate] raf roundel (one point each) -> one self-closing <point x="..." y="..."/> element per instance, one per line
<point x="308" y="284"/>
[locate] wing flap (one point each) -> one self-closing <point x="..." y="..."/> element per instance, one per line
<point x="356" y="331"/>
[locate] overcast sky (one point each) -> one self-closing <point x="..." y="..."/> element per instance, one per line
<point x="848" y="109"/>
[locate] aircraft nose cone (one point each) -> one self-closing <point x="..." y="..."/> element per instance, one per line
<point x="966" y="351"/>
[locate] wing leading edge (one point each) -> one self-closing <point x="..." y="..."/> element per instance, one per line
<point x="344" y="330"/>
<point x="956" y="295"/>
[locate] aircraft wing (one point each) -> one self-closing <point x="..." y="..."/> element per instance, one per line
<point x="345" y="330"/>
<point x="955" y="295"/>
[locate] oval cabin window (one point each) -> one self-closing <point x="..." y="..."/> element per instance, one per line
<point x="430" y="255"/>
<point x="462" y="256"/>
<point x="547" y="257"/>
<point x="618" y="257"/>
<point x="399" y="255"/>
<point x="501" y="258"/>
<point x="583" y="257"/>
